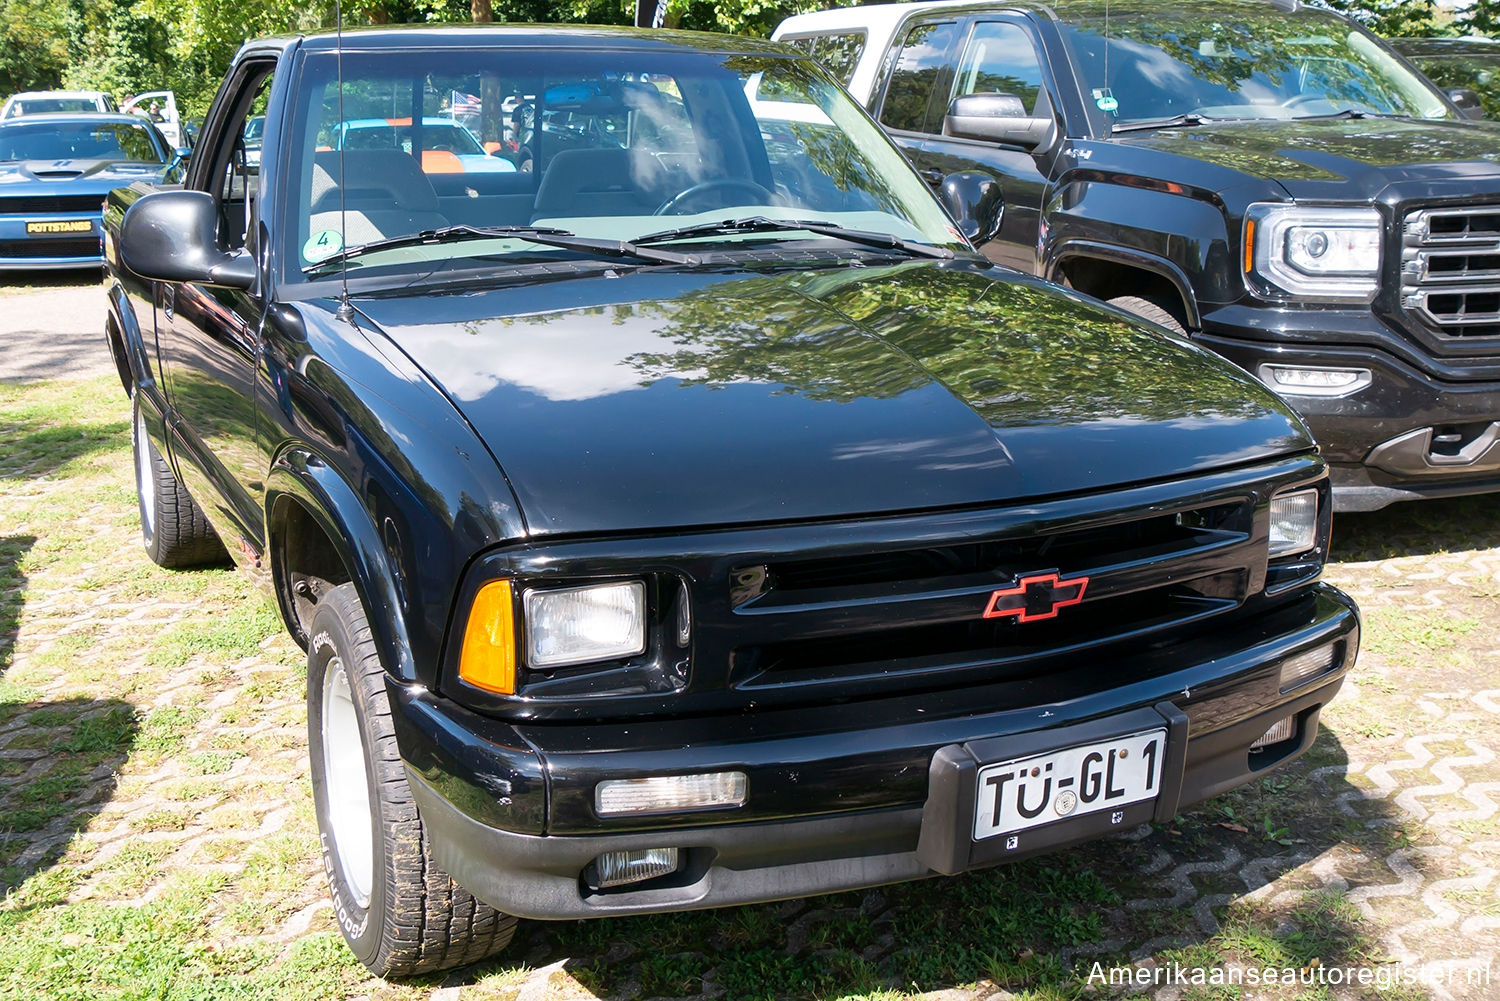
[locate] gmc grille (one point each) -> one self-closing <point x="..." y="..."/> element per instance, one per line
<point x="1450" y="270"/>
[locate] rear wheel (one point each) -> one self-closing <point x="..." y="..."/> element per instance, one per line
<point x="173" y="528"/>
<point x="400" y="912"/>
<point x="1150" y="310"/>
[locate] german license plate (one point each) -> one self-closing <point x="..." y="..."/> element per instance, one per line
<point x="1029" y="792"/>
<point x="62" y="226"/>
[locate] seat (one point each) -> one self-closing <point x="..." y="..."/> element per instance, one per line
<point x="385" y="194"/>
<point x="599" y="182"/>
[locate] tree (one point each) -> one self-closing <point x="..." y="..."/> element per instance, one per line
<point x="33" y="45"/>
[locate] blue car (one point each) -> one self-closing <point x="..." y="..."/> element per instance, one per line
<point x="55" y="170"/>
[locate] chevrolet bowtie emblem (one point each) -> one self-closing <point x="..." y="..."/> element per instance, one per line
<point x="1038" y="596"/>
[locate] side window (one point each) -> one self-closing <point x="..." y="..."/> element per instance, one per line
<point x="1000" y="59"/>
<point x="839" y="53"/>
<point x="237" y="175"/>
<point x="920" y="71"/>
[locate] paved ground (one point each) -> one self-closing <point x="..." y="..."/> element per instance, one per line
<point x="1380" y="850"/>
<point x="53" y="329"/>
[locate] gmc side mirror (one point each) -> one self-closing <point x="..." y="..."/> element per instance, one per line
<point x="172" y="236"/>
<point x="1468" y="102"/>
<point x="999" y="118"/>
<point x="976" y="203"/>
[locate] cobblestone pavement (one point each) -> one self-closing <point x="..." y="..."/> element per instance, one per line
<point x="178" y="704"/>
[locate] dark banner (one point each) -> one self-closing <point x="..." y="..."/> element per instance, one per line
<point x="650" y="13"/>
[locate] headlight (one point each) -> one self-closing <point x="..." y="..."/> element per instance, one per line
<point x="576" y="625"/>
<point x="1294" y="522"/>
<point x="1322" y="253"/>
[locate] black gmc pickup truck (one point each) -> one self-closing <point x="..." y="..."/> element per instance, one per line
<point x="693" y="518"/>
<point x="1268" y="177"/>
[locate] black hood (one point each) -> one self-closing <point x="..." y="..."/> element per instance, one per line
<point x="1344" y="159"/>
<point x="707" y="399"/>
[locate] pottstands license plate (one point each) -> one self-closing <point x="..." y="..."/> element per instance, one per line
<point x="64" y="226"/>
<point x="1029" y="792"/>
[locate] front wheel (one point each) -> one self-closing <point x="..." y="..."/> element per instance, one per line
<point x="173" y="528"/>
<point x="1148" y="309"/>
<point x="400" y="912"/>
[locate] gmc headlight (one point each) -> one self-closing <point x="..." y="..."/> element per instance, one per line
<point x="1321" y="253"/>
<point x="1294" y="522"/>
<point x="576" y="625"/>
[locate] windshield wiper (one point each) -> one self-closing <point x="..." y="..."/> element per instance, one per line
<point x="1345" y="113"/>
<point x="545" y="236"/>
<point x="1175" y="122"/>
<point x="765" y="224"/>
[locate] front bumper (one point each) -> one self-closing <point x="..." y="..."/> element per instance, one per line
<point x="837" y="793"/>
<point x="1379" y="439"/>
<point x="23" y="251"/>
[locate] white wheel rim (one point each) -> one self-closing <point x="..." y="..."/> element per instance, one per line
<point x="145" y="485"/>
<point x="346" y="785"/>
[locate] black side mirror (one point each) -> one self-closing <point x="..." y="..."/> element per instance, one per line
<point x="172" y="236"/>
<point x="1468" y="102"/>
<point x="997" y="118"/>
<point x="976" y="204"/>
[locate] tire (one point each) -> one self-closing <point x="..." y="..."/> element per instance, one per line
<point x="1148" y="310"/>
<point x="400" y="912"/>
<point x="173" y="528"/>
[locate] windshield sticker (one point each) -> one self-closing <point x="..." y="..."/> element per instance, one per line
<point x="321" y="246"/>
<point x="1106" y="100"/>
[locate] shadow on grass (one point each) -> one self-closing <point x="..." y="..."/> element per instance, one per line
<point x="13" y="548"/>
<point x="1417" y="527"/>
<point x="1039" y="925"/>
<point x="58" y="764"/>
<point x="42" y="447"/>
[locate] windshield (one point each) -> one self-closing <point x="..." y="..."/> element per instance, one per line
<point x="604" y="144"/>
<point x="1479" y="72"/>
<point x="1243" y="65"/>
<point x="63" y="140"/>
<point x="42" y="105"/>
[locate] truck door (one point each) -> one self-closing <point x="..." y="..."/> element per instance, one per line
<point x="998" y="56"/>
<point x="917" y="86"/>
<point x="209" y="337"/>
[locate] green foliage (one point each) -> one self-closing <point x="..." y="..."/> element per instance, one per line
<point x="33" y="45"/>
<point x="1391" y="18"/>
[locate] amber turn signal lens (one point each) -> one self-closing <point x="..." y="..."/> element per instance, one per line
<point x="488" y="659"/>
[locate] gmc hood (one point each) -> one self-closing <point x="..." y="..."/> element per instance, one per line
<point x="1338" y="158"/>
<point x="713" y="399"/>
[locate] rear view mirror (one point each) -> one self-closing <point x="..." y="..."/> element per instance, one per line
<point x="976" y="203"/>
<point x="1468" y="102"/>
<point x="172" y="236"/>
<point x="1000" y="118"/>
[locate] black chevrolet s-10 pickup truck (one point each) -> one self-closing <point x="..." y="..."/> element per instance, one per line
<point x="675" y="509"/>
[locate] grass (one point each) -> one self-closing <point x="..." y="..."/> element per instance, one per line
<point x="157" y="839"/>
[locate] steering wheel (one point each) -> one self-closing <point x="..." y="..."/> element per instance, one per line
<point x="1297" y="99"/>
<point x="678" y="203"/>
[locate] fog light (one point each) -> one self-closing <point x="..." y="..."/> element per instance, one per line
<point x="1294" y="523"/>
<point x="669" y="793"/>
<point x="619" y="868"/>
<point x="1299" y="381"/>
<point x="1282" y="730"/>
<point x="1299" y="670"/>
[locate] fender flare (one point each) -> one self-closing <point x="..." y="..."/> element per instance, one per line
<point x="304" y="477"/>
<point x="127" y="345"/>
<point x="1074" y="249"/>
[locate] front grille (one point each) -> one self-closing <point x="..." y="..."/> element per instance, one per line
<point x="1450" y="270"/>
<point x="87" y="246"/>
<point x="49" y="204"/>
<point x="914" y="611"/>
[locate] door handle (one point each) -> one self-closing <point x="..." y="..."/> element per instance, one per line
<point x="932" y="176"/>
